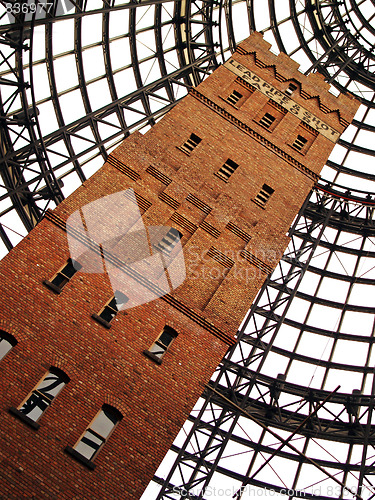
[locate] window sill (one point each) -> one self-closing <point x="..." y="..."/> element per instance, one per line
<point x="227" y="102"/>
<point x="101" y="320"/>
<point x="80" y="458"/>
<point x="222" y="178"/>
<point x="267" y="129"/>
<point x="303" y="153"/>
<point x="153" y="357"/>
<point x="259" y="204"/>
<point x="188" y="153"/>
<point x="24" y="418"/>
<point x="52" y="287"/>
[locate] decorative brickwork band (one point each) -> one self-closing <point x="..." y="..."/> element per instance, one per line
<point x="142" y="203"/>
<point x="252" y="133"/>
<point x="168" y="200"/>
<point x="210" y="229"/>
<point x="252" y="259"/>
<point x="198" y="203"/>
<point x="221" y="258"/>
<point x="55" y="219"/>
<point x="198" y="319"/>
<point x="158" y="175"/>
<point x="52" y="217"/>
<point x="183" y="222"/>
<point x="261" y="64"/>
<point x="246" y="85"/>
<point x="115" y="162"/>
<point x="238" y="232"/>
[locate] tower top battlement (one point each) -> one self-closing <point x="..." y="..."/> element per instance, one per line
<point x="286" y="71"/>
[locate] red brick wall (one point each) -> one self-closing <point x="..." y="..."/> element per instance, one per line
<point x="220" y="224"/>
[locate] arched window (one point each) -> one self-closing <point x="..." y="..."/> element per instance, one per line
<point x="7" y="342"/>
<point x="161" y="344"/>
<point x="41" y="397"/>
<point x="111" y="308"/>
<point x="96" y="435"/>
<point x="63" y="276"/>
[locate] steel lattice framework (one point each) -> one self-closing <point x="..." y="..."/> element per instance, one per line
<point x="290" y="410"/>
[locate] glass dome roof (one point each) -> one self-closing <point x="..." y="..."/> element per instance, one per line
<point x="290" y="408"/>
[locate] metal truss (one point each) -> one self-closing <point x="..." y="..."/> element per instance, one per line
<point x="34" y="165"/>
<point x="240" y="391"/>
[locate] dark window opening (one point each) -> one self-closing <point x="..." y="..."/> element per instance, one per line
<point x="44" y="393"/>
<point x="227" y="169"/>
<point x="271" y="115"/>
<point x="264" y="195"/>
<point x="291" y="88"/>
<point x="162" y="344"/>
<point x="191" y="144"/>
<point x="112" y="307"/>
<point x="169" y="241"/>
<point x="63" y="276"/>
<point x="234" y="97"/>
<point x="299" y="143"/>
<point x="7" y="342"/>
<point x="98" y="432"/>
<point x="267" y="120"/>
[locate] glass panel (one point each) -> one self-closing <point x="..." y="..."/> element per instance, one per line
<point x="69" y="270"/>
<point x="108" y="314"/>
<point x="42" y="396"/>
<point x="112" y="304"/>
<point x="66" y="273"/>
<point x="104" y="423"/>
<point x="34" y="406"/>
<point x="5" y="347"/>
<point x="59" y="280"/>
<point x="166" y="338"/>
<point x="169" y="241"/>
<point x="158" y="350"/>
<point x="120" y="300"/>
<point x="50" y="386"/>
<point x="89" y="444"/>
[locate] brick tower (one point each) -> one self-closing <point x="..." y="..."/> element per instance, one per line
<point x="94" y="386"/>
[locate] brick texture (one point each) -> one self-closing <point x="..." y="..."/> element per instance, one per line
<point x="230" y="243"/>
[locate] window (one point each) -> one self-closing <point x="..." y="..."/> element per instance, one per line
<point x="234" y="97"/>
<point x="237" y="93"/>
<point x="169" y="241"/>
<point x="267" y="120"/>
<point x="42" y="396"/>
<point x="109" y="311"/>
<point x="7" y="342"/>
<point x="264" y="195"/>
<point x="306" y="136"/>
<point x="63" y="276"/>
<point x="291" y="88"/>
<point x="161" y="344"/>
<point x="270" y="115"/>
<point x="190" y="144"/>
<point x="227" y="170"/>
<point x="96" y="435"/>
<point x="299" y="143"/>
